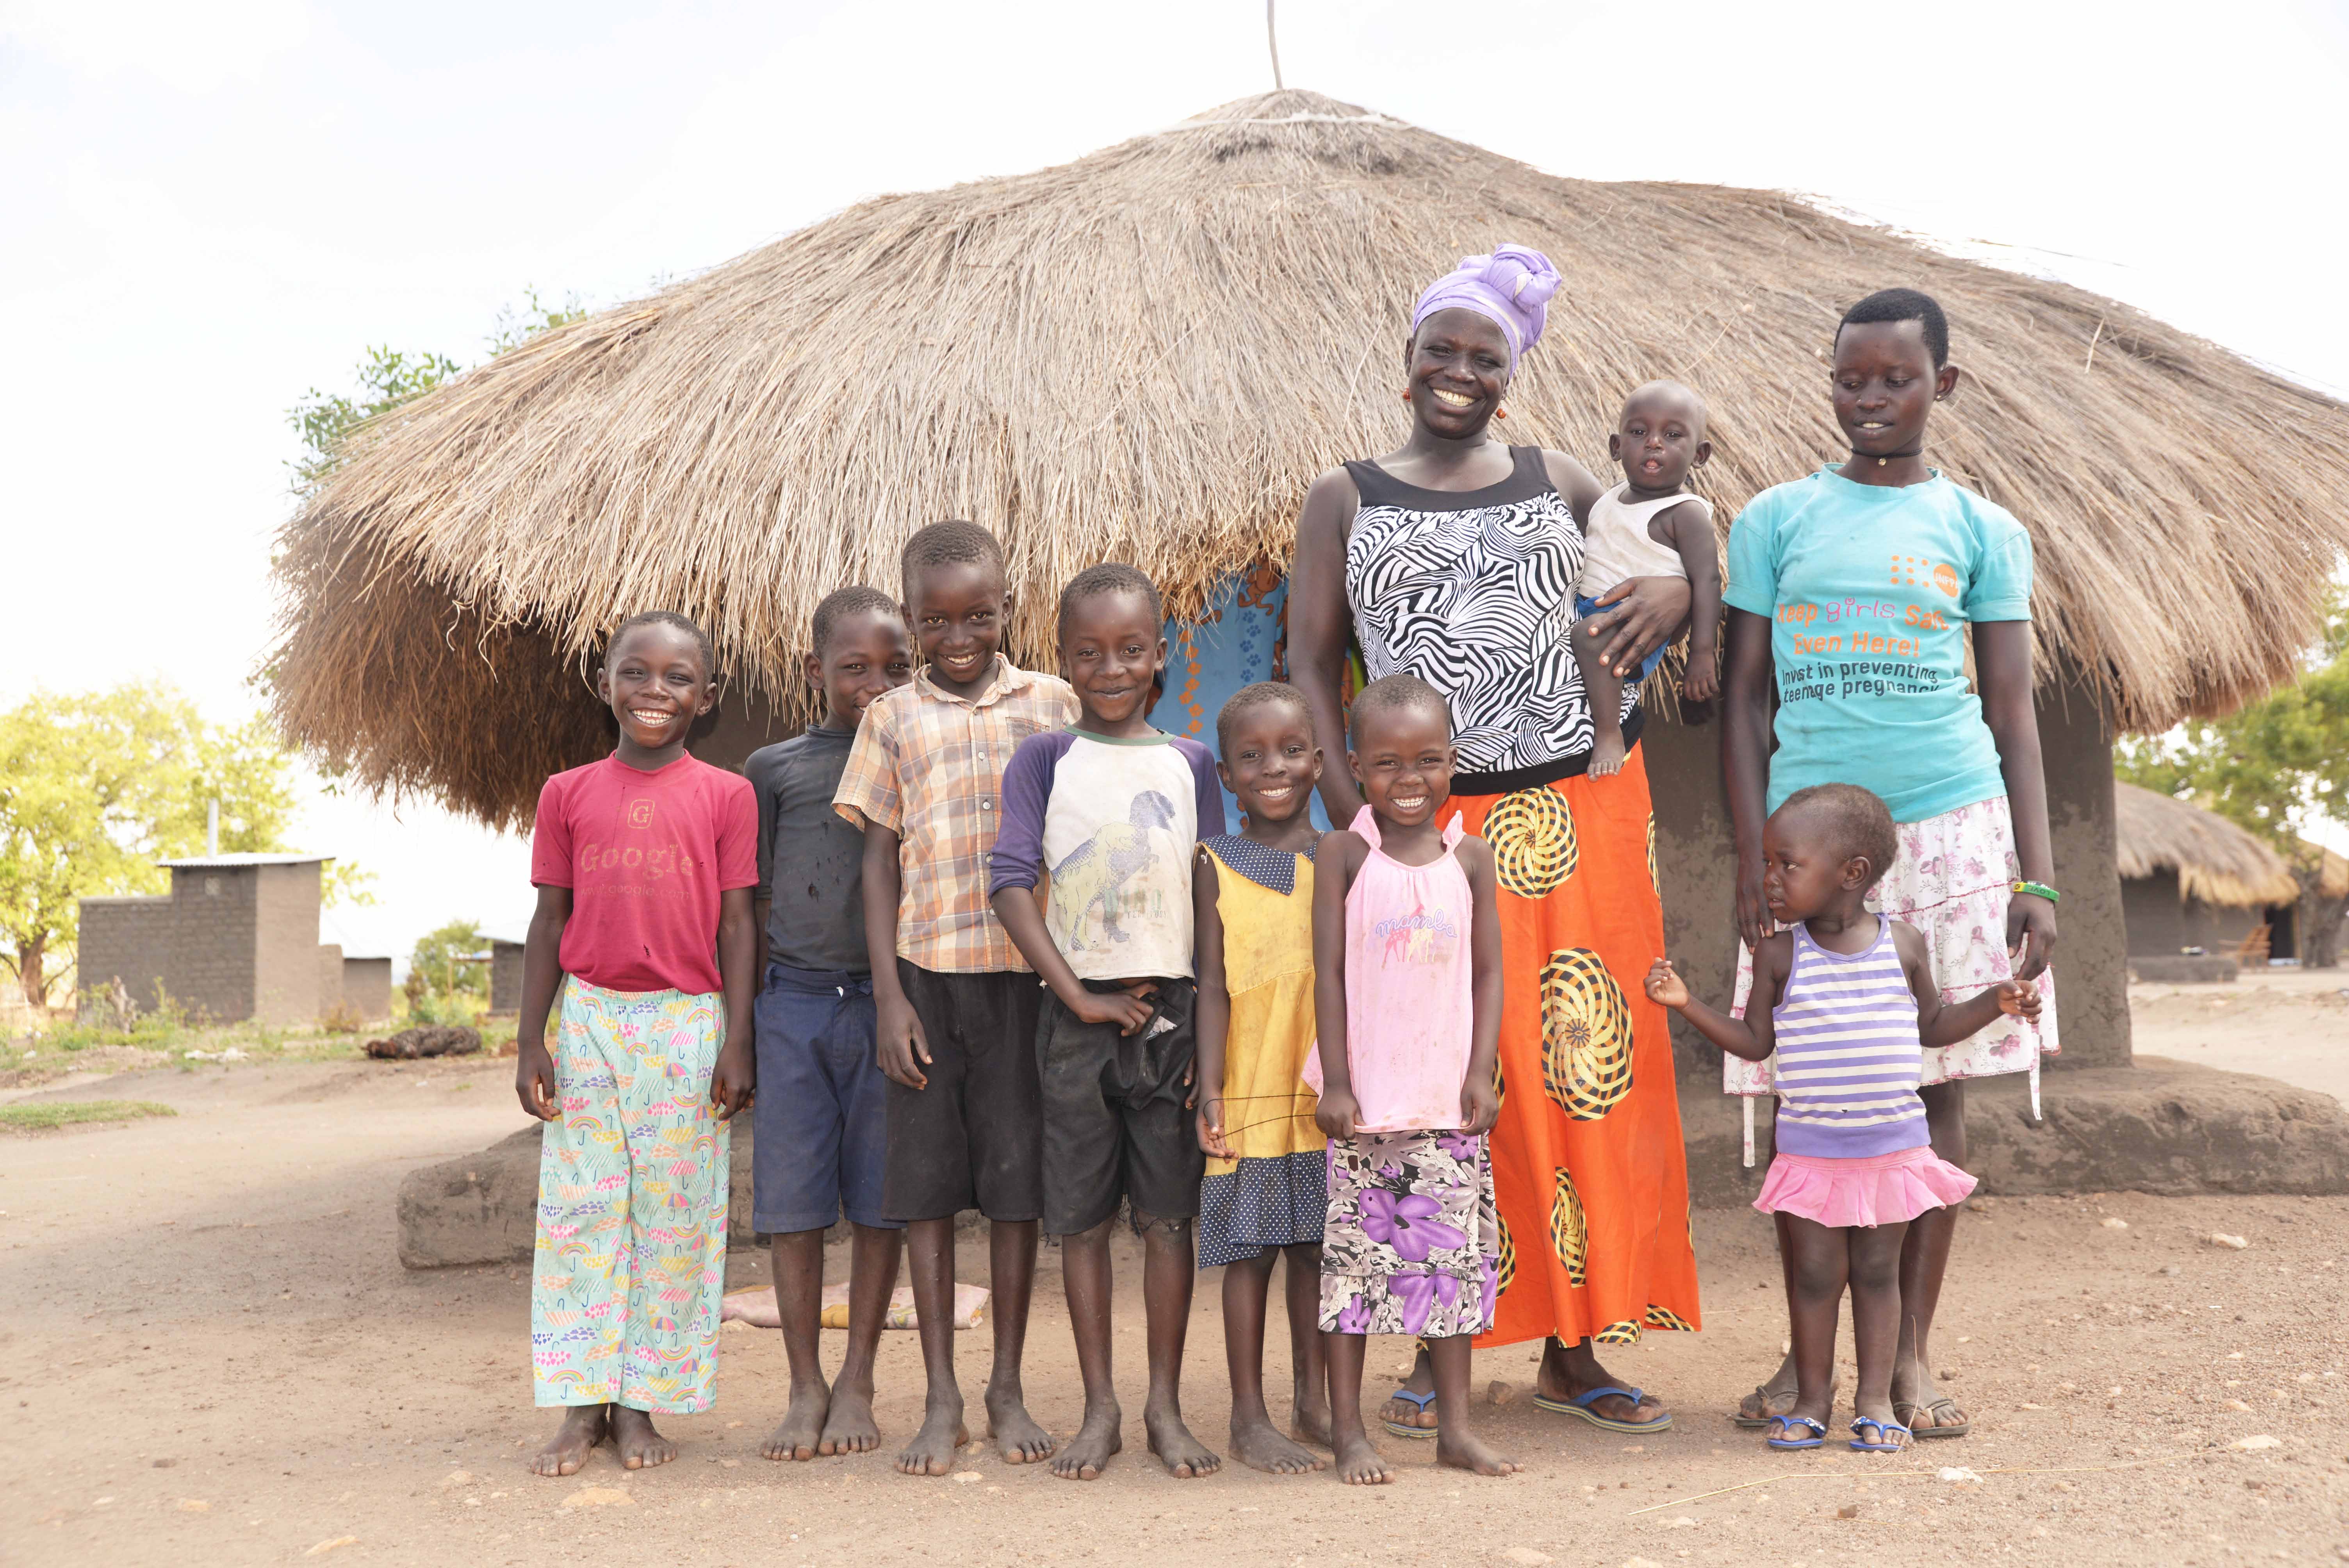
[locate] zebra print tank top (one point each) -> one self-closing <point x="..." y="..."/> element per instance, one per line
<point x="1847" y="1052"/>
<point x="1473" y="592"/>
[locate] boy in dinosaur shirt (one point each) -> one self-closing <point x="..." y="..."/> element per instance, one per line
<point x="1091" y="878"/>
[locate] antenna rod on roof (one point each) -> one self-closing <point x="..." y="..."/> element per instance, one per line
<point x="1272" y="42"/>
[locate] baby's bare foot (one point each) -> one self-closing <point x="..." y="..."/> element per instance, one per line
<point x="584" y="1427"/>
<point x="848" y="1426"/>
<point x="1465" y="1450"/>
<point x="1016" y="1433"/>
<point x="1086" y="1455"/>
<point x="641" y="1447"/>
<point x="1258" y="1445"/>
<point x="1359" y="1463"/>
<point x="796" y="1438"/>
<point x="1184" y="1455"/>
<point x="1605" y="757"/>
<point x="932" y="1451"/>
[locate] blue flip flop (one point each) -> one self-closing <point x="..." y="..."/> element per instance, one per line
<point x="1788" y="1423"/>
<point x="1579" y="1406"/>
<point x="1882" y="1429"/>
<point x="1422" y="1401"/>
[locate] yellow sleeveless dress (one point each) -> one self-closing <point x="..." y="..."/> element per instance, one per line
<point x="1275" y="1195"/>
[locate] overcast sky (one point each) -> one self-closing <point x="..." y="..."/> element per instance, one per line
<point x="209" y="209"/>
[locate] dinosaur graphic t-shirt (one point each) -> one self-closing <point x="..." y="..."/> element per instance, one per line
<point x="1107" y="828"/>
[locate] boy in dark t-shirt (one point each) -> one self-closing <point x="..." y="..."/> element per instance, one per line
<point x="819" y="1120"/>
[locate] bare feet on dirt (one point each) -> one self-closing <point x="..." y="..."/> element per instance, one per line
<point x="1257" y="1444"/>
<point x="1184" y="1455"/>
<point x="582" y="1428"/>
<point x="801" y="1428"/>
<point x="1086" y="1455"/>
<point x="1309" y="1420"/>
<point x="1359" y="1463"/>
<point x="848" y="1426"/>
<point x="932" y="1451"/>
<point x="1020" y="1440"/>
<point x="641" y="1447"/>
<point x="1465" y="1450"/>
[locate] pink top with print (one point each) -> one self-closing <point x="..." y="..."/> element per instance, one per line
<point x="645" y="856"/>
<point x="1410" y="1004"/>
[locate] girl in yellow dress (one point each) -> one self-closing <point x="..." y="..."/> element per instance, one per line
<point x="1267" y="1183"/>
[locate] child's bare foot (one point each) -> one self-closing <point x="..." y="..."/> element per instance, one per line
<point x="1465" y="1450"/>
<point x="932" y="1451"/>
<point x="1184" y="1455"/>
<point x="1607" y="756"/>
<point x="796" y="1437"/>
<point x="848" y="1426"/>
<point x="641" y="1447"/>
<point x="1359" y="1463"/>
<point x="1258" y="1445"/>
<point x="1309" y="1422"/>
<point x="1015" y="1431"/>
<point x="1086" y="1455"/>
<point x="584" y="1427"/>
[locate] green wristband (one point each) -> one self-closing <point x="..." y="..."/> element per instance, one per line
<point x="2041" y="889"/>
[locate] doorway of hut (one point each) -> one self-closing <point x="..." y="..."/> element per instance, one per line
<point x="2280" y="919"/>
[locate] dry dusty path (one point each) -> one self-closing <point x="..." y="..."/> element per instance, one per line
<point x="212" y="1358"/>
<point x="2289" y="1024"/>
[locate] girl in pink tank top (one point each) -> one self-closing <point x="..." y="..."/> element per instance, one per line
<point x="1407" y="1005"/>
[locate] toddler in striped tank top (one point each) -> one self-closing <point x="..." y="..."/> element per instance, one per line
<point x="1853" y="1004"/>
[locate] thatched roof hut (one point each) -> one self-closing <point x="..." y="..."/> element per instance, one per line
<point x="1148" y="353"/>
<point x="2213" y="860"/>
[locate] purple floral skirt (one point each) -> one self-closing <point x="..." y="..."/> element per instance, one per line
<point x="1411" y="1244"/>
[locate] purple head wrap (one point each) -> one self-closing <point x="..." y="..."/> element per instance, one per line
<point x="1512" y="286"/>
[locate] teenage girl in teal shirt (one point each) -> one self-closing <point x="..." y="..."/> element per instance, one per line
<point x="1853" y="590"/>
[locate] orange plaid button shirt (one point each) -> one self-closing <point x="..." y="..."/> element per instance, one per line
<point x="929" y="766"/>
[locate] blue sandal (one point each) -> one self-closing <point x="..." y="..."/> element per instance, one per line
<point x="1883" y="1429"/>
<point x="1788" y="1423"/>
<point x="1579" y="1405"/>
<point x="1422" y="1401"/>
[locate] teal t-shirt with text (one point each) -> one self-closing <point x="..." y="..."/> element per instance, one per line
<point x="1868" y="590"/>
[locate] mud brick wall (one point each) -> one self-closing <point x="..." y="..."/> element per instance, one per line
<point x="127" y="939"/>
<point x="366" y="988"/>
<point x="208" y="968"/>
<point x="286" y="966"/>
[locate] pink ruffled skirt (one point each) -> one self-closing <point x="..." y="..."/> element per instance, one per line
<point x="1880" y="1189"/>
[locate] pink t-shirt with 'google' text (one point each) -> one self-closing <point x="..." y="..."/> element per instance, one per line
<point x="645" y="856"/>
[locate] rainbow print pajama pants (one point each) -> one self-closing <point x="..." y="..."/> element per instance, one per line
<point x="631" y="1257"/>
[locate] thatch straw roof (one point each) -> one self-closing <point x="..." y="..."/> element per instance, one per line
<point x="1147" y="353"/>
<point x="2216" y="861"/>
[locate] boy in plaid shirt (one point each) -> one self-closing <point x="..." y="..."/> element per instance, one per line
<point x="956" y="1003"/>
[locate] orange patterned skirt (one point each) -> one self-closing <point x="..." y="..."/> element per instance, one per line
<point x="1588" y="1160"/>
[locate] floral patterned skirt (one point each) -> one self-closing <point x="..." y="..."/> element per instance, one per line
<point x="1952" y="881"/>
<point x="1412" y="1242"/>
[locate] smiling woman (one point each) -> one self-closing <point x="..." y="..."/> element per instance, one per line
<point x="1455" y="559"/>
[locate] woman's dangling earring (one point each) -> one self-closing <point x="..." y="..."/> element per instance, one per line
<point x="1500" y="413"/>
<point x="1406" y="393"/>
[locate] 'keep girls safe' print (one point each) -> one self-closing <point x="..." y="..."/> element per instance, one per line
<point x="1873" y="646"/>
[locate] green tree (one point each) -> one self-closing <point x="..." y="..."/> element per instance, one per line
<point x="96" y="787"/>
<point x="439" y="969"/>
<point x="389" y="378"/>
<point x="2277" y="768"/>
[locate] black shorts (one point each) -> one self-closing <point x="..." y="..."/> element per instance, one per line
<point x="973" y="1138"/>
<point x="1115" y="1124"/>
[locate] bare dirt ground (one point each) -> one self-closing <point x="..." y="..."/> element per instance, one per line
<point x="2290" y="1023"/>
<point x="211" y="1357"/>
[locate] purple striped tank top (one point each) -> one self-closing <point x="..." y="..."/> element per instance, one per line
<point x="1847" y="1052"/>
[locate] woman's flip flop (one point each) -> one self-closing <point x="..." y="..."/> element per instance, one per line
<point x="1883" y="1429"/>
<point x="1788" y="1423"/>
<point x="1579" y="1405"/>
<point x="1907" y="1412"/>
<point x="1422" y="1401"/>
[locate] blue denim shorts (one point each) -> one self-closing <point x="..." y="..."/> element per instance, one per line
<point x="1583" y="606"/>
<point x="819" y="1118"/>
